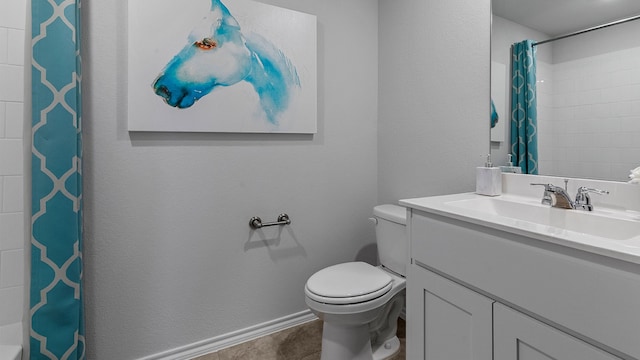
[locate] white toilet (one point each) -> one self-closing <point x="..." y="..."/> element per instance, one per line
<point x="360" y="303"/>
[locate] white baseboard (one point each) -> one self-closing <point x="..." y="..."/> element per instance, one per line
<point x="233" y="338"/>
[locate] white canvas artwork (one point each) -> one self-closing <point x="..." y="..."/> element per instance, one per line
<point x="221" y="66"/>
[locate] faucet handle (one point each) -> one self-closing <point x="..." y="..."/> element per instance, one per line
<point x="547" y="187"/>
<point x="583" y="200"/>
<point x="586" y="190"/>
<point x="546" y="197"/>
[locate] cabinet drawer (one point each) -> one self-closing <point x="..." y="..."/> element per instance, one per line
<point x="596" y="301"/>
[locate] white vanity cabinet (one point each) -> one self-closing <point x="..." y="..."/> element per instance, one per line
<point x="520" y="337"/>
<point x="446" y="320"/>
<point x="477" y="292"/>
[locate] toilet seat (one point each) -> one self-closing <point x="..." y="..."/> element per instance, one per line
<point x="348" y="283"/>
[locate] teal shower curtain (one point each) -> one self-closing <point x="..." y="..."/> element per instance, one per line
<point x="524" y="135"/>
<point x="57" y="325"/>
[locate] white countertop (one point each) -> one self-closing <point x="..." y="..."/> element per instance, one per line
<point x="627" y="249"/>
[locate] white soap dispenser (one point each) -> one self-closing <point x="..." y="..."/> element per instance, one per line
<point x="488" y="179"/>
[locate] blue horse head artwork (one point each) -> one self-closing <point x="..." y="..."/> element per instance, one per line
<point x="218" y="54"/>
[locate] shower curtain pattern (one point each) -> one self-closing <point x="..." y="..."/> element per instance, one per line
<point x="524" y="132"/>
<point x="57" y="326"/>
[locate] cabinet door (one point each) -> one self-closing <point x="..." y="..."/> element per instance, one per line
<point x="520" y="337"/>
<point x="446" y="320"/>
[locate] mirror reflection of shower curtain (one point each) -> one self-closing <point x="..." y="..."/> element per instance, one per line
<point x="524" y="132"/>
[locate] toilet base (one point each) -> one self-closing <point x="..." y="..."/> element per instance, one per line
<point x="354" y="343"/>
<point x="345" y="343"/>
<point x="387" y="350"/>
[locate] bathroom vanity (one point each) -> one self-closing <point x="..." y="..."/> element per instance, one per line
<point x="509" y="278"/>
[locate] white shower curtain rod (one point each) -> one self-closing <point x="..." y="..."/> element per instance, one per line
<point x="621" y="21"/>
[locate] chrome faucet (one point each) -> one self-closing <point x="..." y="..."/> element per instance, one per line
<point x="583" y="200"/>
<point x="558" y="197"/>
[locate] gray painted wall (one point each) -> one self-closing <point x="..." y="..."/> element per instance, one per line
<point x="434" y="92"/>
<point x="505" y="33"/>
<point x="170" y="259"/>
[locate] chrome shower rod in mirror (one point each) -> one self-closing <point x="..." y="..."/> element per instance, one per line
<point x="617" y="22"/>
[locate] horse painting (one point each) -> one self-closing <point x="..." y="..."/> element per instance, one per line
<point x="218" y="54"/>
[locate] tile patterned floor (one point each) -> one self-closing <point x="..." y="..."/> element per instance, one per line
<point x="302" y="342"/>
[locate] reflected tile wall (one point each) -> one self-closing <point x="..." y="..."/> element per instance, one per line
<point x="544" y="87"/>
<point x="597" y="111"/>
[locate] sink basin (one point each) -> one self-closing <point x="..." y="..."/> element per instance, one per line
<point x="525" y="212"/>
<point x="611" y="230"/>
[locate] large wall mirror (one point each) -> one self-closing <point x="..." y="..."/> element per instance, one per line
<point x="587" y="85"/>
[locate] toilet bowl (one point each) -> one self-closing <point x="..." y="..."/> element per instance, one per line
<point x="360" y="303"/>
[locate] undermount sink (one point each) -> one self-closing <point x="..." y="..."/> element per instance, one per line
<point x="612" y="229"/>
<point x="525" y="212"/>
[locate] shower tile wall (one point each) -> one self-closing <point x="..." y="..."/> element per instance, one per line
<point x="597" y="103"/>
<point x="544" y="87"/>
<point x="12" y="24"/>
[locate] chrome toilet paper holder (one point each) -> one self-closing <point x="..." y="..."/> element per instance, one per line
<point x="256" y="223"/>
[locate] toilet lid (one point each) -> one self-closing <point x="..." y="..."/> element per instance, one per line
<point x="348" y="283"/>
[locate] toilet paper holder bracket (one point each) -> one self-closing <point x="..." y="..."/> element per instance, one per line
<point x="256" y="223"/>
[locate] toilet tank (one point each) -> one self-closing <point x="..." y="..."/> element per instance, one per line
<point x="391" y="237"/>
